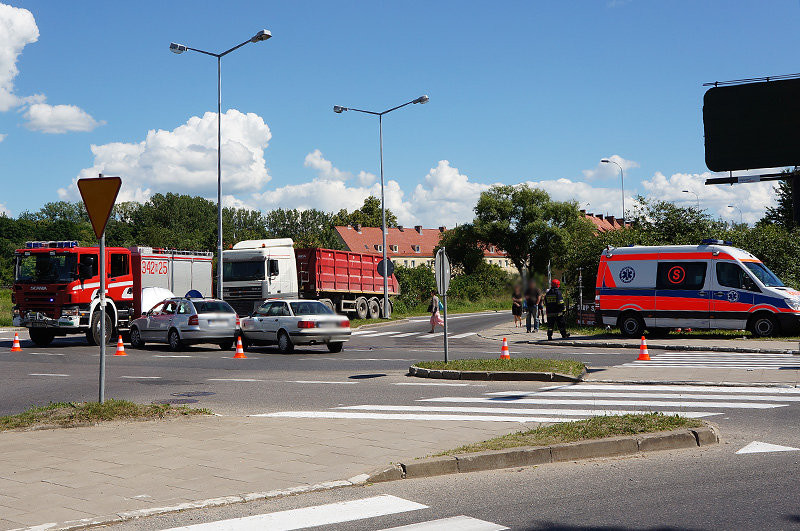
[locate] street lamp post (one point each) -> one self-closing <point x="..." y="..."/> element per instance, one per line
<point x="621" y="184"/>
<point x="179" y="49"/>
<point x="697" y="197"/>
<point x="338" y="109"/>
<point x="741" y="217"/>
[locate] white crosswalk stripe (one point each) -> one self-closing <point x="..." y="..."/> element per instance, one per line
<point x="419" y="334"/>
<point x="458" y="523"/>
<point x="718" y="360"/>
<point x="459" y="336"/>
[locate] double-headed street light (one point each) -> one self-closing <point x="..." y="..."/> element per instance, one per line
<point x="696" y="196"/>
<point x="338" y="109"/>
<point x="741" y="216"/>
<point x="621" y="184"/>
<point x="179" y="49"/>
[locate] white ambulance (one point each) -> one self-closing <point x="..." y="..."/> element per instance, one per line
<point x="712" y="285"/>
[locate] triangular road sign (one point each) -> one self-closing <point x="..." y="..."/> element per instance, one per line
<point x="756" y="447"/>
<point x="99" y="196"/>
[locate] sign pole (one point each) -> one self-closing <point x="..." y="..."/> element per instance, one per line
<point x="444" y="298"/>
<point x="441" y="269"/>
<point x="101" y="399"/>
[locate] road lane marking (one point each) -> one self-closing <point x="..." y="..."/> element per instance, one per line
<point x="461" y="523"/>
<point x="431" y="336"/>
<point x="376" y="334"/>
<point x="141" y="377"/>
<point x="434" y="383"/>
<point x="600" y="402"/>
<point x="47" y="374"/>
<point x="624" y="394"/>
<point x="360" y="332"/>
<point x="757" y="447"/>
<point x="407" y="416"/>
<point x="46" y="353"/>
<point x="690" y="388"/>
<point x="318" y="515"/>
<point x="523" y="411"/>
<point x="459" y="336"/>
<point x="172" y="356"/>
<point x="407" y="334"/>
<point x="234" y="380"/>
<point x="320" y="382"/>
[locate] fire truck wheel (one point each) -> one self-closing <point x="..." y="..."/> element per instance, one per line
<point x="374" y="311"/>
<point x="95" y="329"/>
<point x="362" y="308"/>
<point x="284" y="343"/>
<point x="631" y="325"/>
<point x="174" y="340"/>
<point x="763" y="325"/>
<point x="40" y="337"/>
<point x="136" y="338"/>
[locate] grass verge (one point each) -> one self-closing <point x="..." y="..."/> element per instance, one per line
<point x="569" y="367"/>
<point x="593" y="428"/>
<point x="69" y="414"/>
<point x="5" y="307"/>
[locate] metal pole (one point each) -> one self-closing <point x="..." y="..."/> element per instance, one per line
<point x="444" y="299"/>
<point x="383" y="227"/>
<point x="102" y="396"/>
<point x="622" y="187"/>
<point x="580" y="295"/>
<point x="219" y="177"/>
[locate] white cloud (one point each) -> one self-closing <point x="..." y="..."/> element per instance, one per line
<point x="2" y="137"/>
<point x="4" y="211"/>
<point x="59" y="118"/>
<point x="17" y="29"/>
<point x="324" y="167"/>
<point x="446" y="196"/>
<point x="608" y="170"/>
<point x="185" y="159"/>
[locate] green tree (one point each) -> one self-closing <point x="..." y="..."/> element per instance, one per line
<point x="369" y="215"/>
<point x="308" y="228"/>
<point x="782" y="214"/>
<point x="463" y="248"/>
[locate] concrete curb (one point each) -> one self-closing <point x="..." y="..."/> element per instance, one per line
<point x="538" y="455"/>
<point x="497" y="376"/>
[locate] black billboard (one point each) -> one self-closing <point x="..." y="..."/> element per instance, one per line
<point x="753" y="125"/>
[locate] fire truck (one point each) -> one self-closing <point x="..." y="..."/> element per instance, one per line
<point x="57" y="284"/>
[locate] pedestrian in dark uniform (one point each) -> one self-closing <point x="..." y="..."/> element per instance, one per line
<point x="554" y="304"/>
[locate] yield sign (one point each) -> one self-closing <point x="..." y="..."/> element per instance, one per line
<point x="756" y="447"/>
<point x="99" y="196"/>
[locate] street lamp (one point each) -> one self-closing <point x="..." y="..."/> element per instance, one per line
<point x="697" y="197"/>
<point x="338" y="109"/>
<point x="179" y="49"/>
<point x="621" y="184"/>
<point x="741" y="217"/>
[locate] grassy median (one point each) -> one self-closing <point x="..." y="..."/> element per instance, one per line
<point x="568" y="367"/>
<point x="593" y="428"/>
<point x="70" y="414"/>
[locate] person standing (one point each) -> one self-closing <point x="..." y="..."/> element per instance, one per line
<point x="533" y="297"/>
<point x="554" y="304"/>
<point x="516" y="306"/>
<point x="436" y="317"/>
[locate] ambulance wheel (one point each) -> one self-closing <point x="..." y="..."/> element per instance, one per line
<point x="631" y="325"/>
<point x="41" y="338"/>
<point x="763" y="325"/>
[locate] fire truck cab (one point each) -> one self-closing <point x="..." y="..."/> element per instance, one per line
<point x="56" y="286"/>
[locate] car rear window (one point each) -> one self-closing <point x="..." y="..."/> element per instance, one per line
<point x="310" y="308"/>
<point x="213" y="307"/>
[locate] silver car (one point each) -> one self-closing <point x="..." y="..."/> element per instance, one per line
<point x="290" y="322"/>
<point x="183" y="321"/>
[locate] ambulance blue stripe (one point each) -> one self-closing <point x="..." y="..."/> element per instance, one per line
<point x="758" y="298"/>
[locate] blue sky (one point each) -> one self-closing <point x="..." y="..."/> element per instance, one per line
<point x="530" y="91"/>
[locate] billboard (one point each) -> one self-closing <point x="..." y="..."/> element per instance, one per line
<point x="752" y="125"/>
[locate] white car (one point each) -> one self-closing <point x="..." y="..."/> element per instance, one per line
<point x="290" y="322"/>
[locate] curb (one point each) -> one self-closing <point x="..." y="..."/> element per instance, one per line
<point x="498" y="376"/>
<point x="539" y="455"/>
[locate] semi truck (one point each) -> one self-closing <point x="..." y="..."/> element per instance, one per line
<point x="348" y="282"/>
<point x="57" y="283"/>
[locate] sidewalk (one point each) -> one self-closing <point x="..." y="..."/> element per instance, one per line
<point x="100" y="472"/>
<point x="689" y="343"/>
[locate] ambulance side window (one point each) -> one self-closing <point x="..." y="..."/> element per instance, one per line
<point x="681" y="275"/>
<point x="731" y="275"/>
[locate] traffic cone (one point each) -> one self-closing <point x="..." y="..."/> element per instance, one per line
<point x="120" y="348"/>
<point x="15" y="346"/>
<point x="504" y="352"/>
<point x="239" y="349"/>
<point x="643" y="354"/>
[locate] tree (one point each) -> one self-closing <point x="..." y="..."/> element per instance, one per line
<point x="529" y="226"/>
<point x="782" y="214"/>
<point x="463" y="248"/>
<point x="308" y="228"/>
<point x="369" y="215"/>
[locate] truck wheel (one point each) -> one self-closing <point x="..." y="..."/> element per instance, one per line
<point x="631" y="325"/>
<point x="284" y="343"/>
<point x="763" y="326"/>
<point x="174" y="340"/>
<point x="40" y="337"/>
<point x="95" y="329"/>
<point x="136" y="338"/>
<point x="388" y="314"/>
<point x="335" y="347"/>
<point x="374" y="308"/>
<point x="362" y="308"/>
<point x="329" y="304"/>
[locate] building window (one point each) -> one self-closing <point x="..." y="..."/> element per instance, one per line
<point x="416" y="248"/>
<point x="405" y="263"/>
<point x="379" y="247"/>
<point x="412" y="263"/>
<point x="393" y="248"/>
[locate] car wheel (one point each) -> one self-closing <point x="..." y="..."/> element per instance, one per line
<point x="41" y="338"/>
<point x="95" y="328"/>
<point x="631" y="325"/>
<point x="374" y="311"/>
<point x="763" y="326"/>
<point x="136" y="338"/>
<point x="335" y="347"/>
<point x="362" y="308"/>
<point x="226" y="345"/>
<point x="174" y="340"/>
<point x="284" y="343"/>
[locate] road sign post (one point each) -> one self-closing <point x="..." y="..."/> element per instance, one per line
<point x="442" y="272"/>
<point x="99" y="196"/>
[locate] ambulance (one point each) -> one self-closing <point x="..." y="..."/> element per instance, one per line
<point x="711" y="285"/>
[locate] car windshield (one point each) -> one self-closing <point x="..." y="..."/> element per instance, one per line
<point x="212" y="307"/>
<point x="310" y="308"/>
<point x="239" y="271"/>
<point x="45" y="267"/>
<point x="762" y="273"/>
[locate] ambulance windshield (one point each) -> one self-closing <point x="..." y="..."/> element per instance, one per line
<point x="762" y="273"/>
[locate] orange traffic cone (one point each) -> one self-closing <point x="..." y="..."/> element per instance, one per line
<point x="239" y="349"/>
<point x="504" y="352"/>
<point x="15" y="346"/>
<point x="120" y="348"/>
<point x="643" y="354"/>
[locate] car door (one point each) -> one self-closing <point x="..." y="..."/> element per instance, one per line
<point x="163" y="321"/>
<point x="181" y="318"/>
<point x="274" y="319"/>
<point x="683" y="294"/>
<point x="732" y="296"/>
<point x="148" y="323"/>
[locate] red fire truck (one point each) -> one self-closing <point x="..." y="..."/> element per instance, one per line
<point x="57" y="284"/>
